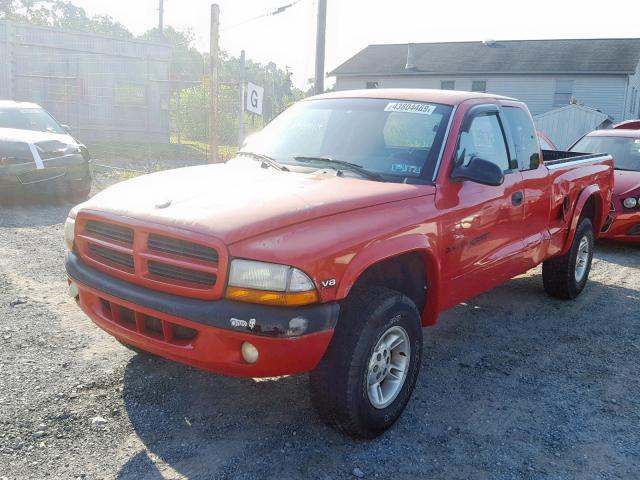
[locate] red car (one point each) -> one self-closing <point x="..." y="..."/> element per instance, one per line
<point x="623" y="143"/>
<point x="346" y="225"/>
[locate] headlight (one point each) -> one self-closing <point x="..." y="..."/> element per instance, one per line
<point x="69" y="149"/>
<point x="630" y="202"/>
<point x="69" y="232"/>
<point x="270" y="283"/>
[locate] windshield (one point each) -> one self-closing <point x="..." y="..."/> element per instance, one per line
<point x="624" y="150"/>
<point x="399" y="140"/>
<point x="29" y="119"/>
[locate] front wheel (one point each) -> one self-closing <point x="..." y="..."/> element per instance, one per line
<point x="368" y="373"/>
<point x="80" y="193"/>
<point x="566" y="276"/>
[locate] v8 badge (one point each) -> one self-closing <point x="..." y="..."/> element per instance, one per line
<point x="328" y="283"/>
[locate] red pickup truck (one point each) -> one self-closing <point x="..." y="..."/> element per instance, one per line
<point x="349" y="223"/>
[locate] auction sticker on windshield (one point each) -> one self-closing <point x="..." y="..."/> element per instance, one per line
<point x="421" y="108"/>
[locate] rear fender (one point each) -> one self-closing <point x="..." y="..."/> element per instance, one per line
<point x="599" y="217"/>
<point x="392" y="247"/>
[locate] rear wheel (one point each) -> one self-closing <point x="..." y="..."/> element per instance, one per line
<point x="366" y="378"/>
<point x="566" y="276"/>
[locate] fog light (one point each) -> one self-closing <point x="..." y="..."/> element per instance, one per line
<point x="249" y="352"/>
<point x="73" y="290"/>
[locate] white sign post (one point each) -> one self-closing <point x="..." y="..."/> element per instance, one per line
<point x="255" y="95"/>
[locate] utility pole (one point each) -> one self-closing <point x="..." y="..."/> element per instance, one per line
<point x="213" y="82"/>
<point x="161" y="18"/>
<point x="320" y="46"/>
<point x="241" y="111"/>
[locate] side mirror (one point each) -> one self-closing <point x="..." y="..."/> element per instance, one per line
<point x="479" y="171"/>
<point x="66" y="128"/>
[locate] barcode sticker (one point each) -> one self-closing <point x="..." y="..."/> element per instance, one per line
<point x="405" y="107"/>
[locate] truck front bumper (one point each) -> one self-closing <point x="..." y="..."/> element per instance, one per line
<point x="205" y="334"/>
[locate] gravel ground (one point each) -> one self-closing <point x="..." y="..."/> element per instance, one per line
<point x="514" y="385"/>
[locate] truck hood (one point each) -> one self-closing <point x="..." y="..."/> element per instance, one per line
<point x="235" y="202"/>
<point x="626" y="182"/>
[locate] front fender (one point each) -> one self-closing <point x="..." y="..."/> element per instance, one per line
<point x="392" y="247"/>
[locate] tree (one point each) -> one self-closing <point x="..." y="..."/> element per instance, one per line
<point x="189" y="102"/>
<point x="187" y="63"/>
<point x="189" y="106"/>
<point x="60" y="14"/>
<point x="277" y="84"/>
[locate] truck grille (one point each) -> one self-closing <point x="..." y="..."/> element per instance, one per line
<point x="150" y="257"/>
<point x="118" y="258"/>
<point x="110" y="231"/>
<point x="181" y="274"/>
<point x="176" y="246"/>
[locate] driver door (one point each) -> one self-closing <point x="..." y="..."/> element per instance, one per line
<point x="482" y="241"/>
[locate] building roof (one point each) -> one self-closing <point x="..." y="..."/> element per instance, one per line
<point x="444" y="97"/>
<point x="584" y="109"/>
<point x="581" y="56"/>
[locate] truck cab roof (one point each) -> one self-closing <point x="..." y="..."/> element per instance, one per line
<point x="626" y="133"/>
<point x="443" y="97"/>
<point x="5" y="104"/>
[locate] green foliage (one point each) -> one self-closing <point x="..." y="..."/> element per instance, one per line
<point x="60" y="14"/>
<point x="190" y="106"/>
<point x="187" y="63"/>
<point x="189" y="114"/>
<point x="278" y="88"/>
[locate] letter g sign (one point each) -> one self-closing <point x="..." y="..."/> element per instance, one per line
<point x="255" y="96"/>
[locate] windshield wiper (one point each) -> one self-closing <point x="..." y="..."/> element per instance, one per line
<point x="335" y="164"/>
<point x="626" y="169"/>
<point x="266" y="160"/>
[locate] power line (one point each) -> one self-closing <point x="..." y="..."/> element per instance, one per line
<point x="270" y="13"/>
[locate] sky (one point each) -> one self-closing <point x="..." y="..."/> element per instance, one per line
<point x="288" y="39"/>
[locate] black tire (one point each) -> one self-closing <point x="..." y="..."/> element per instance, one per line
<point x="338" y="385"/>
<point x="559" y="273"/>
<point x="81" y="193"/>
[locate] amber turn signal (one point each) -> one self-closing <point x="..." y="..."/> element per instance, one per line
<point x="284" y="299"/>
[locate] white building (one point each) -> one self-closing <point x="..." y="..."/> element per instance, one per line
<point x="603" y="74"/>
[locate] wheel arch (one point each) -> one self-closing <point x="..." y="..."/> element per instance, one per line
<point x="589" y="204"/>
<point x="412" y="251"/>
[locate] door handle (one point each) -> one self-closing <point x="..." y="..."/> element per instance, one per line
<point x="517" y="198"/>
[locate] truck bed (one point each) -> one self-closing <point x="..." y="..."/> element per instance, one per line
<point x="558" y="157"/>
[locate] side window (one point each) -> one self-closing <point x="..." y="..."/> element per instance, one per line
<point x="479" y="86"/>
<point x="564" y="92"/>
<point x="524" y="137"/>
<point x="447" y="85"/>
<point x="485" y="139"/>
